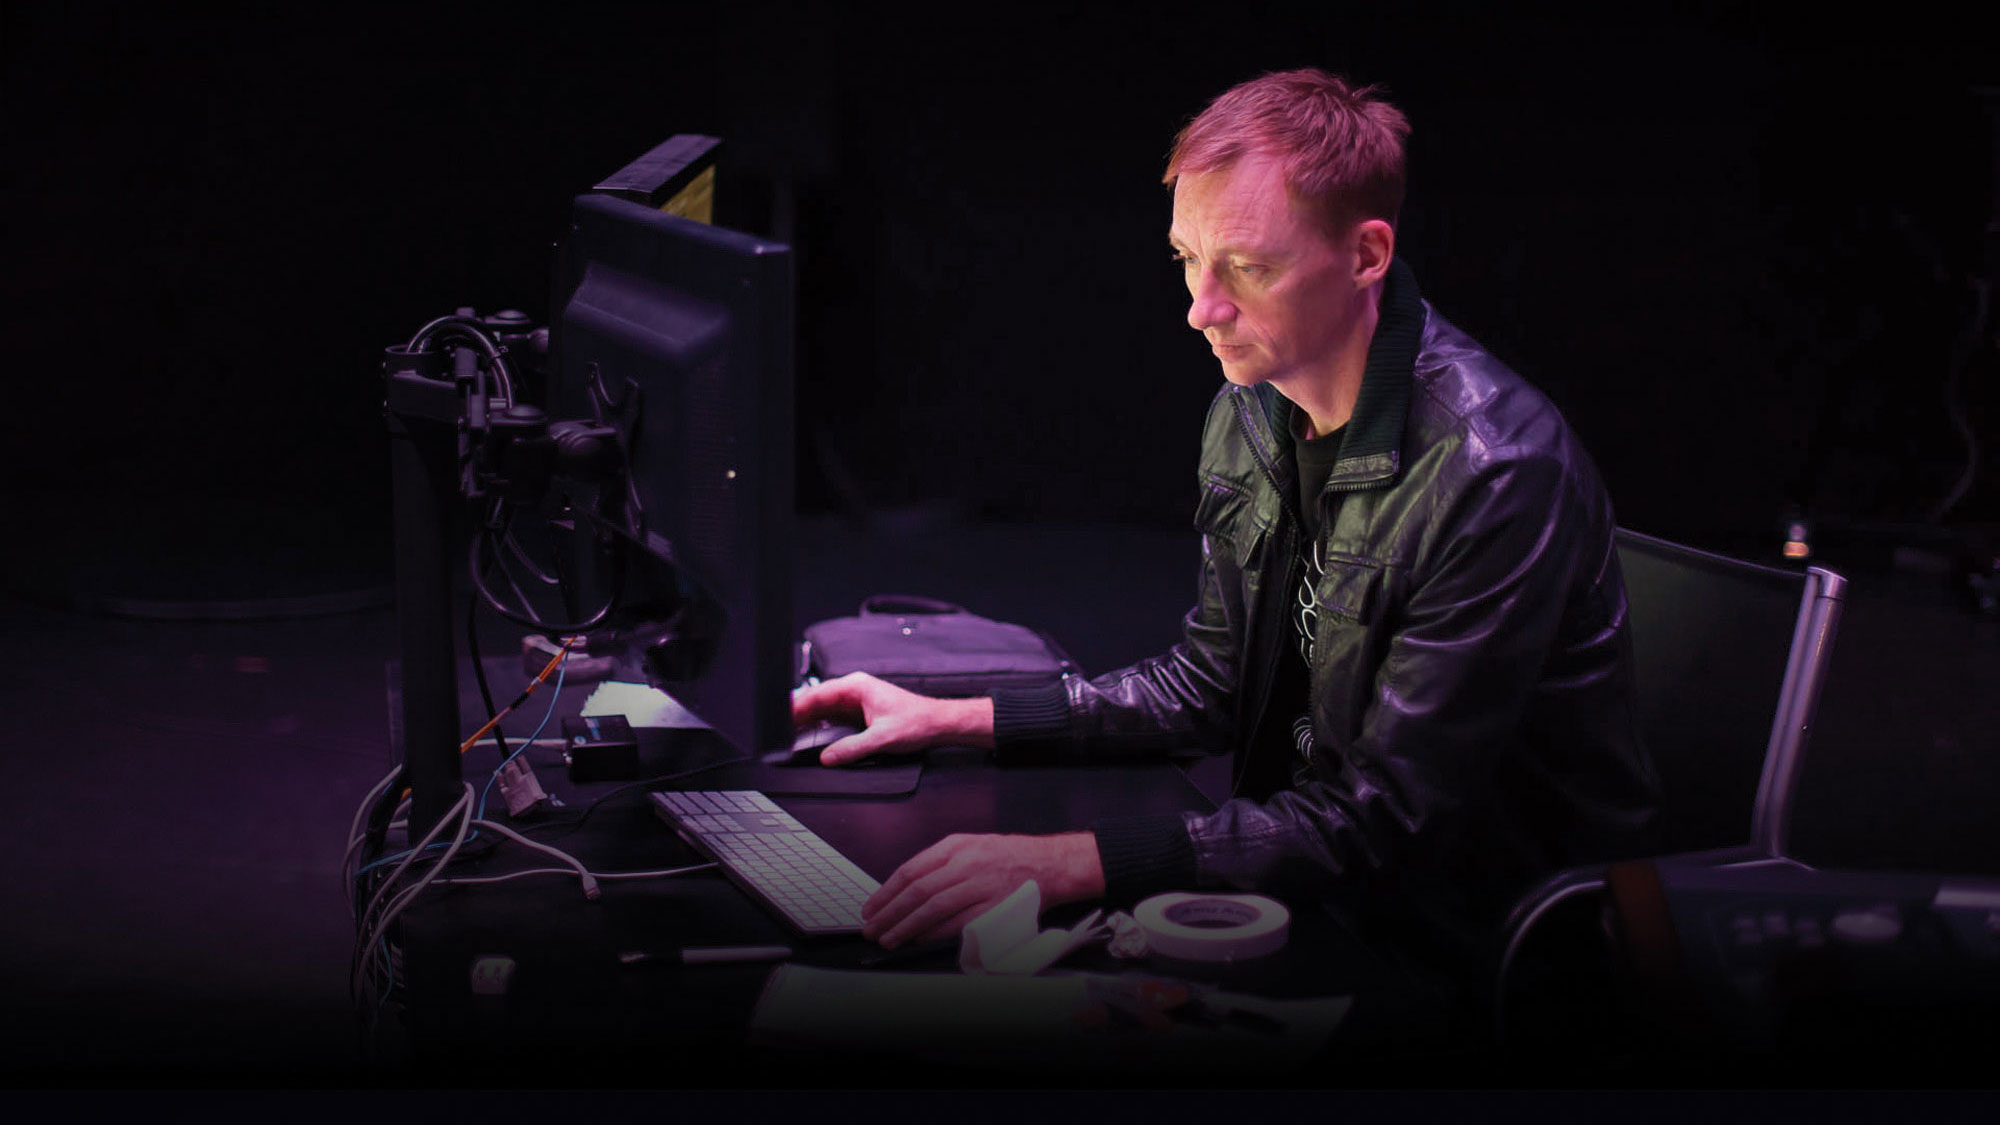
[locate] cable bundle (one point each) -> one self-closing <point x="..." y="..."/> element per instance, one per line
<point x="382" y="879"/>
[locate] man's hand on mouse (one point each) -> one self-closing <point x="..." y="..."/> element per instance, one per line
<point x="957" y="879"/>
<point x="898" y="721"/>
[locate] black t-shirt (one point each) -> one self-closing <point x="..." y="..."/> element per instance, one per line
<point x="1270" y="766"/>
<point x="1315" y="458"/>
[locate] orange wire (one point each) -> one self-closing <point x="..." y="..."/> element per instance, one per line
<point x="537" y="682"/>
<point x="553" y="664"/>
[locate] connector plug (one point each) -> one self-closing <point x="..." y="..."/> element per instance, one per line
<point x="519" y="788"/>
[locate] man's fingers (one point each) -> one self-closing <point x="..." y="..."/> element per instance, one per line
<point x="937" y="892"/>
<point x="956" y="924"/>
<point x="896" y="721"/>
<point x="888" y="913"/>
<point x="871" y="740"/>
<point x="895" y="911"/>
<point x="914" y="868"/>
<point x="932" y="912"/>
<point x="834" y="699"/>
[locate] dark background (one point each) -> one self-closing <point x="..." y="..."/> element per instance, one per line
<point x="1737" y="247"/>
<point x="1734" y="246"/>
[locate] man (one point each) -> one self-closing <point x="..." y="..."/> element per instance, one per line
<point x="1411" y="632"/>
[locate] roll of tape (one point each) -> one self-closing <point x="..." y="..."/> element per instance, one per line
<point x="1194" y="927"/>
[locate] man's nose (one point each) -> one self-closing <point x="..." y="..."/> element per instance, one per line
<point x="1210" y="305"/>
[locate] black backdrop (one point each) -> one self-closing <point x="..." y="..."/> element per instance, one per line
<point x="1734" y="246"/>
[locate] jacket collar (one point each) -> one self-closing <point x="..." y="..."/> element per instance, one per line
<point x="1371" y="450"/>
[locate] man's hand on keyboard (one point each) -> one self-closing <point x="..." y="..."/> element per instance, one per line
<point x="898" y="721"/>
<point x="957" y="879"/>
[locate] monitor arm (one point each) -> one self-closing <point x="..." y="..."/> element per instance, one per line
<point x="459" y="434"/>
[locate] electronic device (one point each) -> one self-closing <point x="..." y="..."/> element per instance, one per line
<point x="808" y="744"/>
<point x="687" y="328"/>
<point x="655" y="467"/>
<point x="600" y="748"/>
<point x="781" y="863"/>
<point x="1778" y="957"/>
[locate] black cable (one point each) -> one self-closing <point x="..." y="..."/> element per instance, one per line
<point x="500" y="557"/>
<point x="559" y="574"/>
<point x="574" y="825"/>
<point x="483" y="540"/>
<point x="375" y="831"/>
<point x="562" y="582"/>
<point x="520" y="554"/>
<point x="450" y="326"/>
<point x="479" y="674"/>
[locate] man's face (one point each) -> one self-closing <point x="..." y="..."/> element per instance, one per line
<point x="1271" y="292"/>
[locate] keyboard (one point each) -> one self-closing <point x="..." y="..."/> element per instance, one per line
<point x="781" y="863"/>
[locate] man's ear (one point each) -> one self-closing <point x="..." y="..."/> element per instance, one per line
<point x="1373" y="242"/>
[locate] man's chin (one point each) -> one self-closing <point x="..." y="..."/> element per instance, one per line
<point x="1242" y="375"/>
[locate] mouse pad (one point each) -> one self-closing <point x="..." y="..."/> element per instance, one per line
<point x="893" y="779"/>
<point x="702" y="760"/>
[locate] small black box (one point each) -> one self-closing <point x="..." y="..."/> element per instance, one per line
<point x="600" y="748"/>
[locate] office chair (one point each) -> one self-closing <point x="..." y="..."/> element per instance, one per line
<point x="1729" y="659"/>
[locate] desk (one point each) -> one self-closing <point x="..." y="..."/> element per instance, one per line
<point x="572" y="1014"/>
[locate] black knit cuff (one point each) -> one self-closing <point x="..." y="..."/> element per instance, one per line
<point x="1030" y="714"/>
<point x="1144" y="856"/>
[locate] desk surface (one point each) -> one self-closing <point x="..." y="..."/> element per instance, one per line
<point x="576" y="1014"/>
<point x="581" y="1016"/>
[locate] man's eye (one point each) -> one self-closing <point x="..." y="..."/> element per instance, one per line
<point x="1250" y="271"/>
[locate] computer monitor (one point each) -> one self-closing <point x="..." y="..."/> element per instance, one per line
<point x="697" y="321"/>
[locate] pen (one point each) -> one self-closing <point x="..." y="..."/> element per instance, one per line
<point x="707" y="955"/>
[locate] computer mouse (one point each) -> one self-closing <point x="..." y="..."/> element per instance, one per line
<point x="809" y="742"/>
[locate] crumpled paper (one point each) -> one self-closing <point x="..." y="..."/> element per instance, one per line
<point x="1128" y="938"/>
<point x="1008" y="939"/>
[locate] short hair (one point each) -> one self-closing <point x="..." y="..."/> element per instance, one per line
<point x="1341" y="146"/>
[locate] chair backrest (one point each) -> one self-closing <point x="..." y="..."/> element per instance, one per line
<point x="1730" y="660"/>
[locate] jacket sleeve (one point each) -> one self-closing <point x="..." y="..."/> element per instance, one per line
<point x="1486" y="596"/>
<point x="1181" y="699"/>
<point x="1184" y="698"/>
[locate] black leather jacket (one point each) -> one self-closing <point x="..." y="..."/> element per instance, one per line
<point x="1471" y="673"/>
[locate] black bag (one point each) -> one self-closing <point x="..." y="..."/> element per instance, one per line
<point x="933" y="648"/>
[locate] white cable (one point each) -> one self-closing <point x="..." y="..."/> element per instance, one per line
<point x="434" y="877"/>
<point x="461" y="808"/>
<point x="590" y="888"/>
<point x="396" y="905"/>
<point x="417" y="850"/>
<point x="355" y="837"/>
<point x="374" y="925"/>
<point x="354" y="829"/>
<point x="403" y="898"/>
<point x="667" y="873"/>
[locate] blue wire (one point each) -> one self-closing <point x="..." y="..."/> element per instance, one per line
<point x="555" y="697"/>
<point x="471" y="836"/>
<point x="388" y="965"/>
<point x="392" y="857"/>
